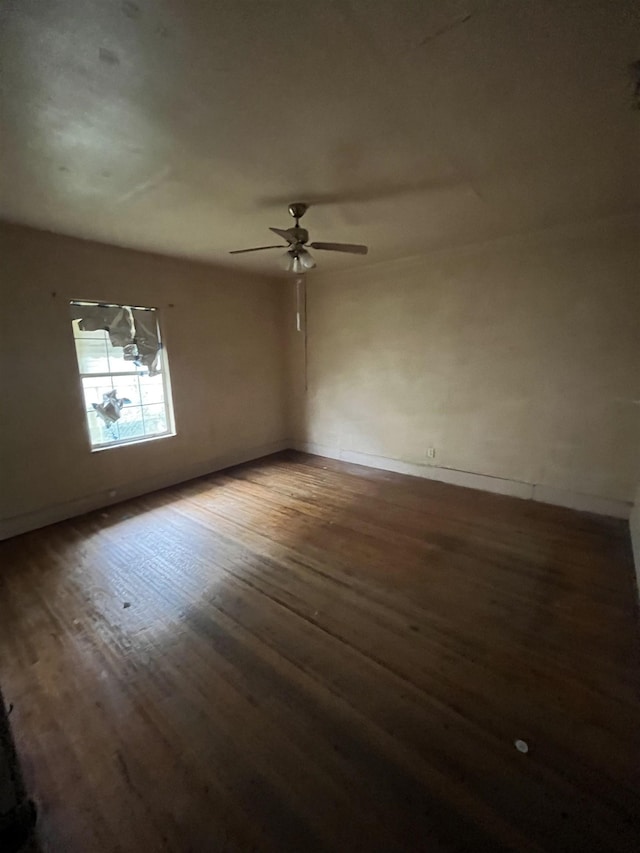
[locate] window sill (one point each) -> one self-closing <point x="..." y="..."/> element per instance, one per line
<point x="144" y="439"/>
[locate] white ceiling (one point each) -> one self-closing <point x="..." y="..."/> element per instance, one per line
<point x="185" y="126"/>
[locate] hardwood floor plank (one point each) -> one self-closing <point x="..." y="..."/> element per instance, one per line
<point x="301" y="654"/>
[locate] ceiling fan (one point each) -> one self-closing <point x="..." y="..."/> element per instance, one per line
<point x="297" y="258"/>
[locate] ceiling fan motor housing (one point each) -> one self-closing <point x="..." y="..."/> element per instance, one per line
<point x="298" y="209"/>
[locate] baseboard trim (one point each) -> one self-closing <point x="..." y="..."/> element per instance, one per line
<point x="527" y="491"/>
<point x="483" y="482"/>
<point x="88" y="503"/>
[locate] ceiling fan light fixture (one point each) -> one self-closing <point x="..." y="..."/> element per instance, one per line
<point x="306" y="259"/>
<point x="298" y="261"/>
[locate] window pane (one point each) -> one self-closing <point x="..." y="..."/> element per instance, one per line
<point x="94" y="428"/>
<point x="152" y="389"/>
<point x="155" y="419"/>
<point x="99" y="431"/>
<point x="127" y="389"/>
<point x="92" y="355"/>
<point x="131" y="423"/>
<point x="94" y="389"/>
<point x="118" y="362"/>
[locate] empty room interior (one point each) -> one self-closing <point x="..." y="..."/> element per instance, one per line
<point x="320" y="426"/>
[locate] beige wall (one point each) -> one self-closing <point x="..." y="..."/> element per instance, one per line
<point x="224" y="342"/>
<point x="518" y="359"/>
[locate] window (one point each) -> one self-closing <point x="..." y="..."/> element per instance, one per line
<point x="123" y="372"/>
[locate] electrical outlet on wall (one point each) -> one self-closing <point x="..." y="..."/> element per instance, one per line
<point x="431" y="452"/>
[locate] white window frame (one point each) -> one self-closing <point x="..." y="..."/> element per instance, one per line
<point x="164" y="373"/>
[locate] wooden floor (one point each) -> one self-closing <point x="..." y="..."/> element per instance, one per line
<point x="304" y="655"/>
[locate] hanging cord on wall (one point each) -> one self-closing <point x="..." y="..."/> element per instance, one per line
<point x="301" y="318"/>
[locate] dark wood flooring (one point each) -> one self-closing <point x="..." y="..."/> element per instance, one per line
<point x="304" y="655"/>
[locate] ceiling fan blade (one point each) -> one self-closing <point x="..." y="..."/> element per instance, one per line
<point x="283" y="232"/>
<point x="257" y="249"/>
<point x="351" y="248"/>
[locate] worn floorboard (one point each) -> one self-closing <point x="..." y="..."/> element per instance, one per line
<point x="304" y="655"/>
